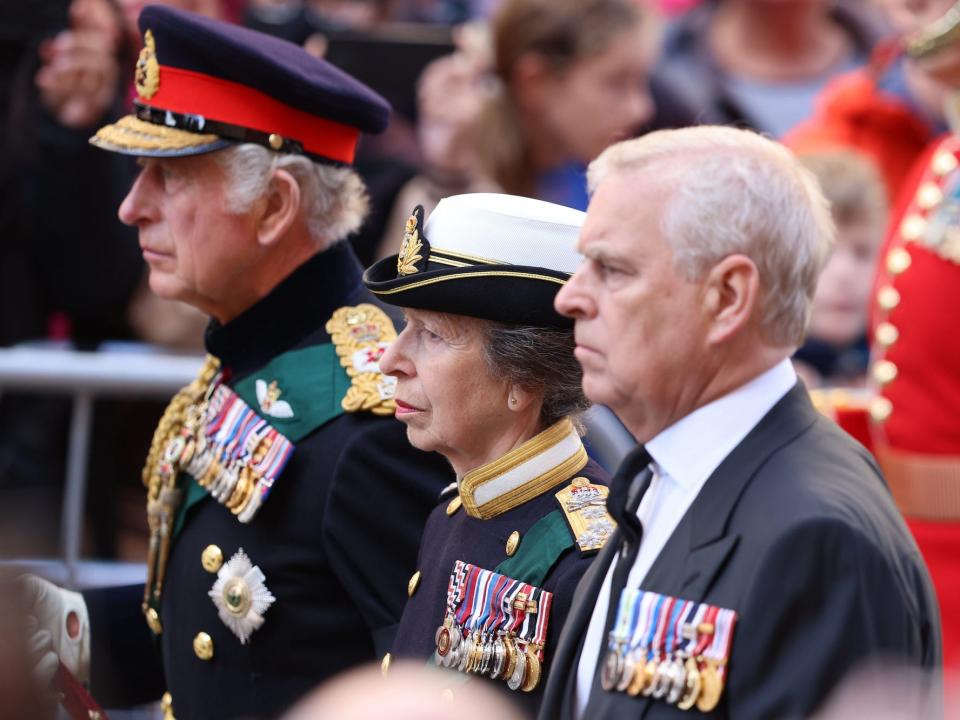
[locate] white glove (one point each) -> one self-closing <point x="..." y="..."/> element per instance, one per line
<point x="62" y="628"/>
<point x="42" y="657"/>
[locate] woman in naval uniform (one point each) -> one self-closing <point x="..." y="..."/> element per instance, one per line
<point x="486" y="376"/>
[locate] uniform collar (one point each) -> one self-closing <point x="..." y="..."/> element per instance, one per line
<point x="290" y="313"/>
<point x="523" y="473"/>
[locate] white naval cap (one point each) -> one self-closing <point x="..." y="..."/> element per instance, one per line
<point x="488" y="255"/>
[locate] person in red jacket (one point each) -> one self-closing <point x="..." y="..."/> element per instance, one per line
<point x="915" y="356"/>
<point x="892" y="109"/>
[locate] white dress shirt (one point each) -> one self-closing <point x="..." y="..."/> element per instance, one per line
<point x="684" y="456"/>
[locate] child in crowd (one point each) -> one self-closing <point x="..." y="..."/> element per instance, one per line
<point x="836" y="351"/>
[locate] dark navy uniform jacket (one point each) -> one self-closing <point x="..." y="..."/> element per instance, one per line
<point x="454" y="532"/>
<point x="335" y="539"/>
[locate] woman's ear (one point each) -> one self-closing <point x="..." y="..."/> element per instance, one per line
<point x="281" y="209"/>
<point x="519" y="399"/>
<point x="731" y="297"/>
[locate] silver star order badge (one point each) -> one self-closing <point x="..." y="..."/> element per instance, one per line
<point x="241" y="595"/>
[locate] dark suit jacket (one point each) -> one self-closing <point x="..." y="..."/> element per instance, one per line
<point x="796" y="531"/>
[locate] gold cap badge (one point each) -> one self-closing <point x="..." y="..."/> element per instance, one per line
<point x="147" y="75"/>
<point x="412" y="244"/>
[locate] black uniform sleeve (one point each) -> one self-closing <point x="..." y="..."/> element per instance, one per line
<point x="125" y="666"/>
<point x="824" y="599"/>
<point x="382" y="492"/>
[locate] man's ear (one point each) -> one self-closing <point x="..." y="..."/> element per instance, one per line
<point x="282" y="208"/>
<point x="731" y="297"/>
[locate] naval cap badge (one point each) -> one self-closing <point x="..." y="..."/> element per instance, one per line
<point x="241" y="595"/>
<point x="409" y="259"/>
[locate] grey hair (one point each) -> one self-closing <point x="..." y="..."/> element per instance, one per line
<point x="334" y="199"/>
<point x="733" y="191"/>
<point x="541" y="361"/>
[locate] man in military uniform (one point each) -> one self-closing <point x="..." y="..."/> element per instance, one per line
<point x="285" y="506"/>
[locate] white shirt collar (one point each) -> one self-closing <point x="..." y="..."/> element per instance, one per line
<point x="693" y="447"/>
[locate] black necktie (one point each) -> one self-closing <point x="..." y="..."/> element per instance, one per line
<point x="629" y="485"/>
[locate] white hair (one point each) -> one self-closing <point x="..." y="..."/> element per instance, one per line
<point x="334" y="199"/>
<point x="733" y="191"/>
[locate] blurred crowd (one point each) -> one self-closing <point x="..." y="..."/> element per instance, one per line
<point x="510" y="95"/>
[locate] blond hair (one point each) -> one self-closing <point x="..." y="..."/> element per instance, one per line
<point x="852" y="185"/>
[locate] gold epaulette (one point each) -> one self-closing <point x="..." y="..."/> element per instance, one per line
<point x="585" y="507"/>
<point x="360" y="335"/>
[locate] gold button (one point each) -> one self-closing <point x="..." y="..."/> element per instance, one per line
<point x="166" y="706"/>
<point x="880" y="408"/>
<point x="385" y="663"/>
<point x="888" y="297"/>
<point x="276" y="141"/>
<point x="884" y="371"/>
<point x="943" y="163"/>
<point x="454" y="505"/>
<point x="929" y="195"/>
<point x="211" y="558"/>
<point x="153" y="621"/>
<point x="898" y="260"/>
<point x="412" y="583"/>
<point x="887" y="334"/>
<point x="913" y="227"/>
<point x="513" y="542"/>
<point x="203" y="646"/>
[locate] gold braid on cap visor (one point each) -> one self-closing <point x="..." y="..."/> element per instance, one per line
<point x="131" y="133"/>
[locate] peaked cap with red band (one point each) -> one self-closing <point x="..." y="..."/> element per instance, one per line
<point x="203" y="84"/>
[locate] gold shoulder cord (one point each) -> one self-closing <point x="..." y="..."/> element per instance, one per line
<point x="174" y="442"/>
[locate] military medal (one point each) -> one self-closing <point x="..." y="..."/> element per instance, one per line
<point x="677" y="671"/>
<point x="668" y="649"/>
<point x="494" y="626"/>
<point x="445" y="638"/>
<point x="663" y="680"/>
<point x="713" y="672"/>
<point x="640" y="643"/>
<point x="238" y="455"/>
<point x="613" y="663"/>
<point x="241" y="596"/>
<point x="631" y="599"/>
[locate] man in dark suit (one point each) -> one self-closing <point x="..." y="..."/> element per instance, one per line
<point x="284" y="503"/>
<point x="759" y="556"/>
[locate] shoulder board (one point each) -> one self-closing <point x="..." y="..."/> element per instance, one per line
<point x="360" y="334"/>
<point x="584" y="506"/>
